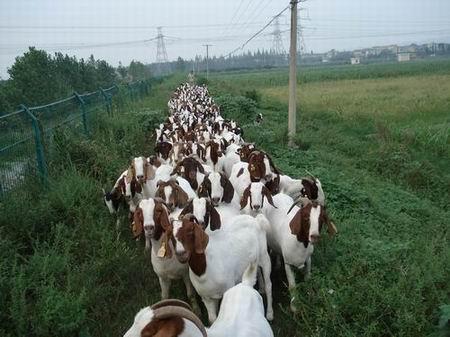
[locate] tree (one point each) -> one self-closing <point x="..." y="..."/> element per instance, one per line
<point x="181" y="64"/>
<point x="138" y="71"/>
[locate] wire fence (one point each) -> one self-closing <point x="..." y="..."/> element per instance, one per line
<point x="27" y="135"/>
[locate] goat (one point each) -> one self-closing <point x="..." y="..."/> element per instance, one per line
<point x="241" y="315"/>
<point x="217" y="262"/>
<point x="152" y="217"/>
<point x="293" y="232"/>
<point x="309" y="187"/>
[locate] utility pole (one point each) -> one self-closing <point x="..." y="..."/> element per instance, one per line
<point x="293" y="75"/>
<point x="207" y="59"/>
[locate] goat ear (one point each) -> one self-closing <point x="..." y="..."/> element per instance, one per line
<point x="245" y="196"/>
<point x="268" y="195"/>
<point x="138" y="187"/>
<point x="201" y="239"/>
<point x="200" y="167"/>
<point x="138" y="222"/>
<point x="187" y="210"/>
<point x="299" y="226"/>
<point x="176" y="169"/>
<point x="214" y="219"/>
<point x="228" y="189"/>
<point x="203" y="189"/>
<point x="182" y="197"/>
<point x="164" y="219"/>
<point x="331" y="227"/>
<point x="149" y="172"/>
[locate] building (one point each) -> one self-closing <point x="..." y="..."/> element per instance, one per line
<point x="355" y="60"/>
<point x="403" y="57"/>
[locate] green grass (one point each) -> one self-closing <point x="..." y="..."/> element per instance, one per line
<point x="379" y="146"/>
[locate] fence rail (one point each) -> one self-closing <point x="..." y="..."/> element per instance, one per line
<point x="27" y="135"/>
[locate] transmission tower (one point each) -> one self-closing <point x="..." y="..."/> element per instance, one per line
<point x="277" y="43"/>
<point x="301" y="41"/>
<point x="161" y="53"/>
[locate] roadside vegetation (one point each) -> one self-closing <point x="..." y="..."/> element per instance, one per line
<point x="380" y="146"/>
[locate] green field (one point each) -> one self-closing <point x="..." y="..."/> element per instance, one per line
<point x="378" y="138"/>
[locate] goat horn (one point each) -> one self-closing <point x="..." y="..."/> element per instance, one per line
<point x="171" y="302"/>
<point x="172" y="311"/>
<point x="310" y="174"/>
<point x="103" y="190"/>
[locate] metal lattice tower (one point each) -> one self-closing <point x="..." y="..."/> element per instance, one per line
<point x="301" y="41"/>
<point x="277" y="44"/>
<point x="161" y="52"/>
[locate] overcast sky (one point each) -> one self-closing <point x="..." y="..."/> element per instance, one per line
<point x="75" y="26"/>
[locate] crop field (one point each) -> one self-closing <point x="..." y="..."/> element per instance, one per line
<point x="378" y="138"/>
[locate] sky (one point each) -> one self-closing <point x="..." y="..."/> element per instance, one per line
<point x="117" y="30"/>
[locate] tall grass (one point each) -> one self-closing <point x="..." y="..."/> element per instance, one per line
<point x="64" y="270"/>
<point x="380" y="148"/>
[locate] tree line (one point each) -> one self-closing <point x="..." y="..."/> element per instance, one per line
<point x="38" y="77"/>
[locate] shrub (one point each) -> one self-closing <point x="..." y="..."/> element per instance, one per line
<point x="239" y="108"/>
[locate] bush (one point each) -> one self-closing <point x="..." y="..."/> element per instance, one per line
<point x="253" y="95"/>
<point x="239" y="108"/>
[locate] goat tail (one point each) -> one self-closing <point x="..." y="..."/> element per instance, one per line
<point x="263" y="223"/>
<point x="249" y="277"/>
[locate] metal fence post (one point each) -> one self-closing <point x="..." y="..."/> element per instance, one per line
<point x="40" y="156"/>
<point x="107" y="101"/>
<point x="83" y="112"/>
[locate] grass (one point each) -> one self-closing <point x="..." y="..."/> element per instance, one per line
<point x="380" y="148"/>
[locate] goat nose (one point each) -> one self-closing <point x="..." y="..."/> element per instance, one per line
<point x="256" y="207"/>
<point x="215" y="200"/>
<point x="149" y="228"/>
<point x="314" y="238"/>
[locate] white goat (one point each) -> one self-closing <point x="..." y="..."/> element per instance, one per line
<point x="292" y="235"/>
<point x="153" y="217"/>
<point x="218" y="261"/>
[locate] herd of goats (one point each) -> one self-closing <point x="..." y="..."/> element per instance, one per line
<point x="210" y="208"/>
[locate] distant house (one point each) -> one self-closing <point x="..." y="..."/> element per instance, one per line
<point x="355" y="60"/>
<point x="404" y="57"/>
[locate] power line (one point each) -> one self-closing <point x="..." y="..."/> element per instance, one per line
<point x="232" y="18"/>
<point x="258" y="32"/>
<point x="233" y="27"/>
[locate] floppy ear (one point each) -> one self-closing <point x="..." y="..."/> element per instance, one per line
<point x="268" y="195"/>
<point x="138" y="187"/>
<point x="300" y="225"/>
<point x="159" y="192"/>
<point x="200" y="168"/>
<point x="164" y="219"/>
<point x="182" y="196"/>
<point x="149" y="172"/>
<point x="187" y="210"/>
<point x="203" y="190"/>
<point x="176" y="169"/>
<point x="299" y="228"/>
<point x="201" y="239"/>
<point x="245" y="196"/>
<point x="138" y="222"/>
<point x="331" y="227"/>
<point x="214" y="219"/>
<point x="121" y="185"/>
<point x="228" y="189"/>
<point x="272" y="165"/>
